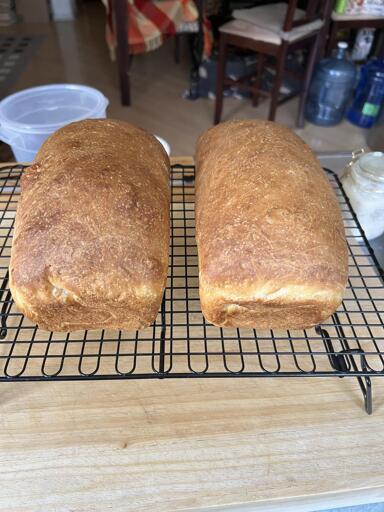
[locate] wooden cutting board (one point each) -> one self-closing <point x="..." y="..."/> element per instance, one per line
<point x="232" y="444"/>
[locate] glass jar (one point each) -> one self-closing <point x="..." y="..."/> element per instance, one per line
<point x="363" y="182"/>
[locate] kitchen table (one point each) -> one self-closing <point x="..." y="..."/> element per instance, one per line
<point x="297" y="444"/>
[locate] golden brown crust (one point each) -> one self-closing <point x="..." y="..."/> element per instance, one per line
<point x="271" y="242"/>
<point x="90" y="248"/>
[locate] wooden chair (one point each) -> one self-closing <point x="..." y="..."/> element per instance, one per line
<point x="124" y="58"/>
<point x="272" y="30"/>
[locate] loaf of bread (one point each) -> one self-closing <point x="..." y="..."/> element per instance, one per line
<point x="90" y="248"/>
<point x="271" y="243"/>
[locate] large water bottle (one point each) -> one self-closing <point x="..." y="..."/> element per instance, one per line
<point x="331" y="87"/>
<point x="369" y="95"/>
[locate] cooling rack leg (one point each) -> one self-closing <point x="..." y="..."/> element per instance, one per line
<point x="4" y="315"/>
<point x="339" y="362"/>
<point x="5" y="307"/>
<point x="3" y="330"/>
<point x="366" y="388"/>
<point x="365" y="381"/>
<point x="162" y="336"/>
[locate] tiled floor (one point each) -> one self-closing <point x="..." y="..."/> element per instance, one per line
<point x="76" y="52"/>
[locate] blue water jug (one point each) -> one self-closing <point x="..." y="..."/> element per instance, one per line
<point x="331" y="87"/>
<point x="369" y="95"/>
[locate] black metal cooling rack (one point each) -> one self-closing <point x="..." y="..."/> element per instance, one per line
<point x="180" y="344"/>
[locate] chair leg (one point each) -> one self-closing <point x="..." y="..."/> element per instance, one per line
<point x="223" y="49"/>
<point x="312" y="57"/>
<point x="380" y="45"/>
<point x="326" y="28"/>
<point x="332" y="38"/>
<point x="259" y="76"/>
<point x="176" y="54"/>
<point x="122" y="51"/>
<point x="280" y="64"/>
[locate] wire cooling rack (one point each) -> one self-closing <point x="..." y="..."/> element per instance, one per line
<point x="180" y="343"/>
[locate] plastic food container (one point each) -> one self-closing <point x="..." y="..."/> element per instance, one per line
<point x="29" y="117"/>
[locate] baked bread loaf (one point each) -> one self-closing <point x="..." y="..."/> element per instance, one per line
<point x="90" y="248"/>
<point x="271" y="243"/>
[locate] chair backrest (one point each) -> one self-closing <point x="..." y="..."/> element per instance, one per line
<point x="315" y="10"/>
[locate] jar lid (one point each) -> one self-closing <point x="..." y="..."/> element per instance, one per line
<point x="373" y="165"/>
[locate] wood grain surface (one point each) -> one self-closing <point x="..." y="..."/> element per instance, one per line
<point x="207" y="444"/>
<point x="175" y="445"/>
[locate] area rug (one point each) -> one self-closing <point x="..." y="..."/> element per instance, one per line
<point x="15" y="53"/>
